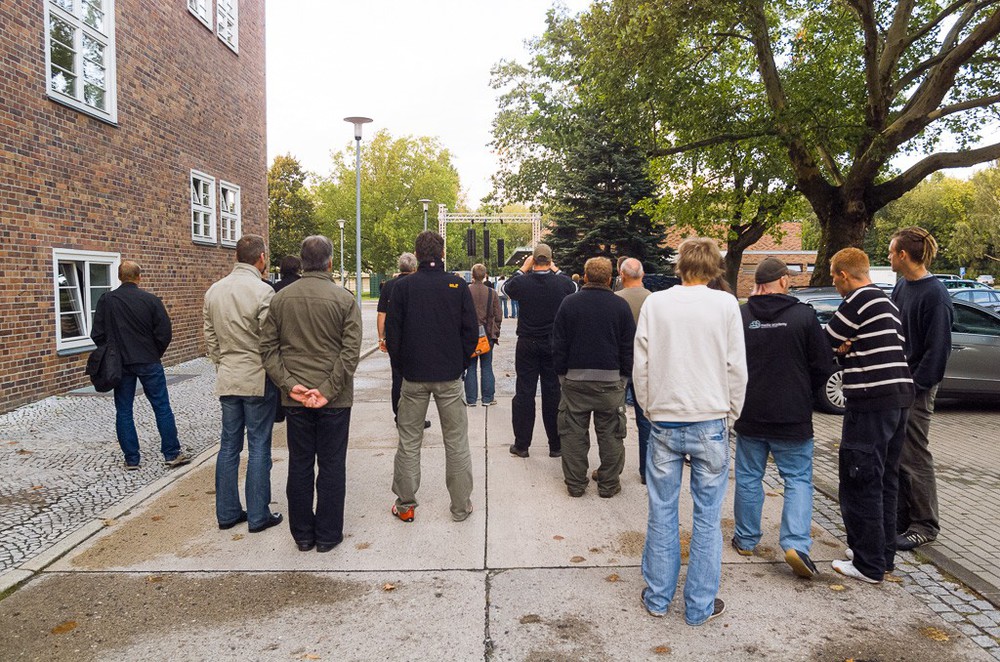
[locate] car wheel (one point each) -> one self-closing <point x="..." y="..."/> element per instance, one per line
<point x="830" y="398"/>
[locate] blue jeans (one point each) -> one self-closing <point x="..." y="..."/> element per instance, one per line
<point x="794" y="460"/>
<point x="642" y="424"/>
<point x="255" y="415"/>
<point x="513" y="307"/>
<point x="488" y="382"/>
<point x="503" y="300"/>
<point x="154" y="385"/>
<point x="707" y="444"/>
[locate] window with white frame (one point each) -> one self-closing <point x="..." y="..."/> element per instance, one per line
<point x="229" y="213"/>
<point x="202" y="207"/>
<point x="81" y="278"/>
<point x="227" y="23"/>
<point x="202" y="11"/>
<point x="80" y="55"/>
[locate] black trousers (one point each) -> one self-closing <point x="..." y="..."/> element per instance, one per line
<point x="533" y="362"/>
<point x="317" y="438"/>
<point x="869" y="482"/>
<point x="397" y="385"/>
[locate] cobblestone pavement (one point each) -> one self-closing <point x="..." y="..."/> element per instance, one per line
<point x="60" y="464"/>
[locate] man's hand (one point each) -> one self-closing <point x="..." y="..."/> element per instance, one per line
<point x="298" y="393"/>
<point x="843" y="349"/>
<point x="315" y="399"/>
<point x="528" y="265"/>
<point x="381" y="346"/>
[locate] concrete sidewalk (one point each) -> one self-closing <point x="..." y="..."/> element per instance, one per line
<point x="532" y="575"/>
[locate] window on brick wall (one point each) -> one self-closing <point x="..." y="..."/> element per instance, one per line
<point x="81" y="278"/>
<point x="202" y="11"/>
<point x="229" y="213"/>
<point x="202" y="208"/>
<point x="80" y="55"/>
<point x="227" y="23"/>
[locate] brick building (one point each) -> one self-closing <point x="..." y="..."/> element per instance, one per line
<point x="129" y="129"/>
<point x="788" y="248"/>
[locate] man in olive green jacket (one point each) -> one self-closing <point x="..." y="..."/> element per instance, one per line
<point x="311" y="343"/>
<point x="235" y="309"/>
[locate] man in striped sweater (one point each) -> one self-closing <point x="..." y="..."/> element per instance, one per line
<point x="867" y="334"/>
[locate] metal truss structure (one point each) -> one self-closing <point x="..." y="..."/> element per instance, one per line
<point x="444" y="218"/>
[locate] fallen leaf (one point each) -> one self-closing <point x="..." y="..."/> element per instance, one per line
<point x="209" y="491"/>
<point x="154" y="579"/>
<point x="613" y="577"/>
<point x="37" y="487"/>
<point x="363" y="545"/>
<point x="530" y="618"/>
<point x="836" y="587"/>
<point x="21" y="451"/>
<point x="64" y="627"/>
<point x="311" y="656"/>
<point x="156" y="518"/>
<point x="934" y="634"/>
<point x="110" y="522"/>
<point x="889" y="577"/>
<point x="577" y="559"/>
<point x="237" y="536"/>
<point x="595" y="550"/>
<point x="771" y="494"/>
<point x="558" y="538"/>
<point x="662" y="650"/>
<point x="388" y="587"/>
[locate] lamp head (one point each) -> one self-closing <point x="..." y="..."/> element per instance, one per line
<point x="424" y="202"/>
<point x="341" y="222"/>
<point x="358" y="122"/>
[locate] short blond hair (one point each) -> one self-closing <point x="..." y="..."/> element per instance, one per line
<point x="698" y="258"/>
<point x="478" y="272"/>
<point x="852" y="261"/>
<point x="597" y="270"/>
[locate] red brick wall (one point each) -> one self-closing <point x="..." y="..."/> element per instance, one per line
<point x="185" y="101"/>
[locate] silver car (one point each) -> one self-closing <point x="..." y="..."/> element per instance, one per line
<point x="973" y="370"/>
<point x="985" y="298"/>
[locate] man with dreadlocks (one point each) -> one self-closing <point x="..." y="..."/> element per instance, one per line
<point x="926" y="314"/>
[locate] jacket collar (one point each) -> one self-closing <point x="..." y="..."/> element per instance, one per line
<point x="595" y="286"/>
<point x="431" y="265"/>
<point x="325" y="275"/>
<point x="248" y="268"/>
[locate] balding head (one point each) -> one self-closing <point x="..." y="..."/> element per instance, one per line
<point x="631" y="272"/>
<point x="129" y="272"/>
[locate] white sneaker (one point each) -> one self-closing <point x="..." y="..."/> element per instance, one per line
<point x="849" y="554"/>
<point x="847" y="569"/>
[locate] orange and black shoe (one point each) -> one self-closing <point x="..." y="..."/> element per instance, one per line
<point x="406" y="514"/>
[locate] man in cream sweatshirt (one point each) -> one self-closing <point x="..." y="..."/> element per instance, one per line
<point x="690" y="378"/>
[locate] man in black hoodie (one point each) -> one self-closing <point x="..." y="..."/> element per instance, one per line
<point x="788" y="359"/>
<point x="431" y="331"/>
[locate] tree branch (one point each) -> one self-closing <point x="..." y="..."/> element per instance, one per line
<point x="898" y="186"/>
<point x="831" y="165"/>
<point x="936" y="21"/>
<point x="965" y="105"/>
<point x="895" y="41"/>
<point x="719" y="139"/>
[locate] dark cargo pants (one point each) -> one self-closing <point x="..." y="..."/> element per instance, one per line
<point x="606" y="401"/>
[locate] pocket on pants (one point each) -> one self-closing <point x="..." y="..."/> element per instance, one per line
<point x="622" y="429"/>
<point x="715" y="441"/>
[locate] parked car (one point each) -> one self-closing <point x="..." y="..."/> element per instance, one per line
<point x="948" y="276"/>
<point x="985" y="298"/>
<point x="985" y="279"/>
<point x="958" y="284"/>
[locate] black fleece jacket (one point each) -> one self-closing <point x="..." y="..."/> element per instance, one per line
<point x="431" y="325"/>
<point x="788" y="359"/>
<point x="594" y="329"/>
<point x="538" y="295"/>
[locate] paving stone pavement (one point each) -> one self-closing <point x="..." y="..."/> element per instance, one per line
<point x="60" y="468"/>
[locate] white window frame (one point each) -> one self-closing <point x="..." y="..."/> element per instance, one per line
<point x="227" y="11"/>
<point x="105" y="36"/>
<point x="87" y="305"/>
<point x="202" y="10"/>
<point x="231" y="218"/>
<point x="201" y="208"/>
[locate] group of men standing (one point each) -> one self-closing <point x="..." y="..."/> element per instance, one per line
<point x="695" y="361"/>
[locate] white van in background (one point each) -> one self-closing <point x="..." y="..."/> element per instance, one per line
<point x="985" y="279"/>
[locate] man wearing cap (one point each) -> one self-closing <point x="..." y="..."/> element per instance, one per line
<point x="538" y="288"/>
<point x="788" y="359"/>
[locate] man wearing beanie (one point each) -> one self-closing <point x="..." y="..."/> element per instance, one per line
<point x="788" y="359"/>
<point x="538" y="288"/>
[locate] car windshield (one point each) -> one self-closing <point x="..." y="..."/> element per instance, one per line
<point x="825" y="308"/>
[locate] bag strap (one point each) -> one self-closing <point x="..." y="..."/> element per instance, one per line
<point x="109" y="318"/>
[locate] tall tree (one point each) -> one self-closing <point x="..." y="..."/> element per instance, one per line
<point x="976" y="239"/>
<point x="395" y="174"/>
<point x="290" y="208"/>
<point x="597" y="192"/>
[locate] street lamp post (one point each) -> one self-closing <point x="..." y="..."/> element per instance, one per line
<point x="341" y="222"/>
<point x="425" y="202"/>
<point x="358" y="122"/>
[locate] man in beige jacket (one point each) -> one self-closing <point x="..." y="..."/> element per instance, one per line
<point x="235" y="309"/>
<point x="311" y="345"/>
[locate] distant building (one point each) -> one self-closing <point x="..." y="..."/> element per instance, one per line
<point x="128" y="130"/>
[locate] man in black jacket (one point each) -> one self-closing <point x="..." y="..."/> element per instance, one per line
<point x="592" y="354"/>
<point x="788" y="359"/>
<point x="926" y="312"/>
<point x="538" y="288"/>
<point x="431" y="332"/>
<point x="137" y="323"/>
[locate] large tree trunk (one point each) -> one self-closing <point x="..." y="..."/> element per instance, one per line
<point x="746" y="236"/>
<point x="844" y="219"/>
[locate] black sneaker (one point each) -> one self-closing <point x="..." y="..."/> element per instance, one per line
<point x="911" y="540"/>
<point x="273" y="520"/>
<point x="556" y="453"/>
<point x="718" y="609"/>
<point x="514" y="450"/>
<point x="801" y="564"/>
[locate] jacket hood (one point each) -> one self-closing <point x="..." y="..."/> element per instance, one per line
<point x="767" y="307"/>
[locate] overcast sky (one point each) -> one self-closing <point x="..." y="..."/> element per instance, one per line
<point x="418" y="68"/>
